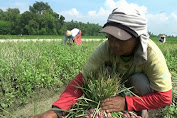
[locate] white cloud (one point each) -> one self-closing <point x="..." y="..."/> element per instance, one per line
<point x="161" y="18"/>
<point x="72" y="12"/>
<point x="91" y="16"/>
<point x="111" y="4"/>
<point x="101" y="15"/>
<point x="174" y="15"/>
<point x="162" y="23"/>
<point x="91" y="13"/>
<point x="103" y="12"/>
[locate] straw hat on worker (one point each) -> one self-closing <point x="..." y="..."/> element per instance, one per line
<point x="68" y="33"/>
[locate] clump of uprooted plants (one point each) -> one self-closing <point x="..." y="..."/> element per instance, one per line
<point x="98" y="86"/>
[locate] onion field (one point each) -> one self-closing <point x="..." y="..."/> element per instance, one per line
<point x="28" y="67"/>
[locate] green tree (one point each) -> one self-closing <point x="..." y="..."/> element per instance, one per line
<point x="49" y="21"/>
<point x="63" y="29"/>
<point x="5" y="27"/>
<point x="33" y="27"/>
<point x="43" y="31"/>
<point x="39" y="8"/>
<point x="60" y="24"/>
<point x="25" y="18"/>
<point x="1" y="14"/>
<point x="41" y="19"/>
<point x="13" y="16"/>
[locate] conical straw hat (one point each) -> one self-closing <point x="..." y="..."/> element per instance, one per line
<point x="163" y="35"/>
<point x="68" y="33"/>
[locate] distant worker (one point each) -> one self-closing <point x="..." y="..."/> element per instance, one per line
<point x="162" y="38"/>
<point x="75" y="35"/>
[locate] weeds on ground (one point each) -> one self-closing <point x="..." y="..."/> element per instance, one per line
<point x="171" y="110"/>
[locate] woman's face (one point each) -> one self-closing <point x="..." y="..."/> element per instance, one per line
<point x="122" y="47"/>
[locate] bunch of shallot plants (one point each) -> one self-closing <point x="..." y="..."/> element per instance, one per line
<point x="97" y="87"/>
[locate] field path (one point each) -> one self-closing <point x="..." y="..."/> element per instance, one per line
<point x="34" y="40"/>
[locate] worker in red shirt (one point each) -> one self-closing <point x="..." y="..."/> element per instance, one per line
<point x="74" y="34"/>
<point x="137" y="58"/>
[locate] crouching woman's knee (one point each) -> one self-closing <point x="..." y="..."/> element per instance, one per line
<point x="140" y="83"/>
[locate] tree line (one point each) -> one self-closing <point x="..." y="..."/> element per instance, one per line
<point x="41" y="20"/>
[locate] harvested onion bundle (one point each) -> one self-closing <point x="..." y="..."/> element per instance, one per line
<point x="97" y="87"/>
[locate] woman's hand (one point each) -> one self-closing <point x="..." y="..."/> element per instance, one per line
<point x="113" y="104"/>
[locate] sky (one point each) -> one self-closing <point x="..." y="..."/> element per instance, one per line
<point x="161" y="14"/>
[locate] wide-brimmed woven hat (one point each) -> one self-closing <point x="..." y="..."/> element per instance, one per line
<point x="68" y="33"/>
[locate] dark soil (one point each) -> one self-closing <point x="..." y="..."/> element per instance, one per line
<point x="155" y="113"/>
